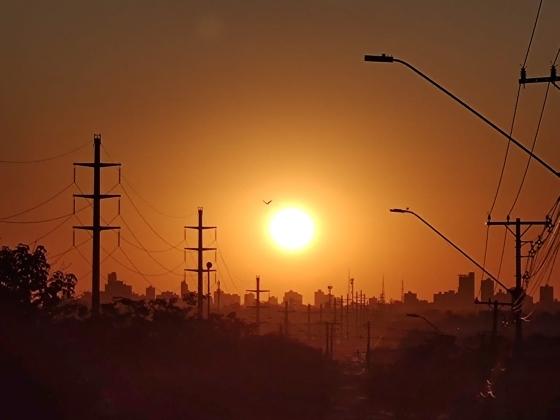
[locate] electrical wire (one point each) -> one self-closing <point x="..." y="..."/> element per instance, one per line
<point x="32" y="222"/>
<point x="146" y="201"/>
<point x="532" y="33"/>
<point x="143" y="248"/>
<point x="154" y="231"/>
<point x="46" y="159"/>
<point x="36" y="206"/>
<point x="529" y="159"/>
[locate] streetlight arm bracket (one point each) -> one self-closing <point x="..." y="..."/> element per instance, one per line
<point x="390" y="59"/>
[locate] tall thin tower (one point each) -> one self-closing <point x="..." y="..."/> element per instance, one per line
<point x="96" y="227"/>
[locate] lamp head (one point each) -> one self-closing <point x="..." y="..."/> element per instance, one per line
<point x="383" y="58"/>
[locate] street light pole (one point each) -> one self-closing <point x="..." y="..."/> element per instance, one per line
<point x="452" y="244"/>
<point x="390" y="59"/>
<point x="430" y="323"/>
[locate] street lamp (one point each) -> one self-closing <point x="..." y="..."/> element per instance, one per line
<point x="383" y="58"/>
<point x="430" y="323"/>
<point x="452" y="244"/>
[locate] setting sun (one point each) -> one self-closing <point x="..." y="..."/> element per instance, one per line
<point x="291" y="229"/>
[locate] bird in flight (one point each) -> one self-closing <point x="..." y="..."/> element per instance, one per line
<point x="267" y="202"/>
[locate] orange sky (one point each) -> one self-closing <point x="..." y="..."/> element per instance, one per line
<point x="221" y="105"/>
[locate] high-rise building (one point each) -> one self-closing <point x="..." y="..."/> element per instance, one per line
<point x="546" y="295"/>
<point x="410" y="298"/>
<point x="487" y="290"/>
<point x="293" y="298"/>
<point x="150" y="293"/>
<point x="320" y="298"/>
<point x="466" y="288"/>
<point x="116" y="288"/>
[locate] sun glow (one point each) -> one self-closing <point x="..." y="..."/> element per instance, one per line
<point x="292" y="229"/>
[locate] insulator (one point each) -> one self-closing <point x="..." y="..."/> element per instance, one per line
<point x="184" y="234"/>
<point x="74" y="205"/>
<point x="73" y="238"/>
<point x="184" y="255"/>
<point x="74" y="175"/>
<point x="119" y="207"/>
<point x="119" y="175"/>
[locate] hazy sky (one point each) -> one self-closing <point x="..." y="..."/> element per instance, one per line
<point x="222" y="104"/>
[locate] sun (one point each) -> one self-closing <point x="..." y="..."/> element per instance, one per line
<point x="291" y="229"/>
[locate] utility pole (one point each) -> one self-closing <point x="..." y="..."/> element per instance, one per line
<point x="200" y="249"/>
<point x="258" y="292"/>
<point x="495" y="313"/>
<point x="517" y="293"/>
<point x="286" y="319"/>
<point x="96" y="227"/>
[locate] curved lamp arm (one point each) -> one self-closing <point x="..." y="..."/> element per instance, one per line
<point x="390" y="59"/>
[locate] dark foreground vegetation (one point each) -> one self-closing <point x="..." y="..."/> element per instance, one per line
<point x="141" y="360"/>
<point x="440" y="379"/>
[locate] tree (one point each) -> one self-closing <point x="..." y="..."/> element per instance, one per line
<point x="25" y="279"/>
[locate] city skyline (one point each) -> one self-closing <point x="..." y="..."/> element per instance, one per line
<point x="341" y="138"/>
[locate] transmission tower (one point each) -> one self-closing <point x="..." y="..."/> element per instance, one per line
<point x="200" y="270"/>
<point x="96" y="227"/>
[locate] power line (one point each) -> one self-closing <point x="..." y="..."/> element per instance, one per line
<point x="143" y="248"/>
<point x="46" y="159"/>
<point x="532" y="33"/>
<point x="532" y="149"/>
<point x="146" y="201"/>
<point x="36" y="206"/>
<point x="155" y="232"/>
<point x="31" y="222"/>
<point x="506" y="155"/>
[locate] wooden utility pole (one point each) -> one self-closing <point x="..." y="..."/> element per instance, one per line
<point x="96" y="227"/>
<point x="200" y="249"/>
<point x="517" y="293"/>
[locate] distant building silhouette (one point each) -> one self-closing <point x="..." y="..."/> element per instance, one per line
<point x="410" y="298"/>
<point x="466" y="288"/>
<point x="273" y="300"/>
<point x="249" y="299"/>
<point x="546" y="295"/>
<point x="446" y="300"/>
<point x="116" y="288"/>
<point x="150" y="293"/>
<point x="184" y="289"/>
<point x="320" y="298"/>
<point x="294" y="299"/>
<point x="228" y="300"/>
<point x="167" y="295"/>
<point x="487" y="290"/>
